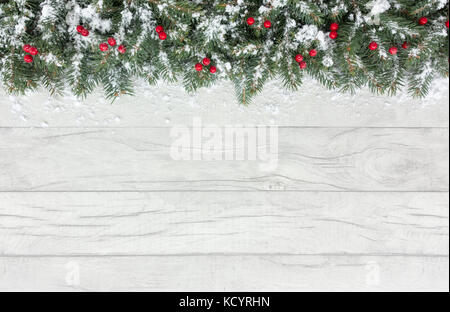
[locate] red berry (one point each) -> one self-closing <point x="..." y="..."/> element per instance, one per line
<point x="104" y="47"/>
<point x="333" y="34"/>
<point x="33" y="51"/>
<point x="334" y="27"/>
<point x="112" y="42"/>
<point x="373" y="46"/>
<point x="159" y="29"/>
<point x="28" y="58"/>
<point x="213" y="69"/>
<point x="250" y="21"/>
<point x="299" y="58"/>
<point x="122" y="49"/>
<point x="393" y="50"/>
<point x="198" y="67"/>
<point x="27" y="48"/>
<point x="206" y="61"/>
<point x="302" y="65"/>
<point x="423" y="21"/>
<point x="80" y="28"/>
<point x="162" y="36"/>
<point x="267" y="24"/>
<point x="405" y="45"/>
<point x="313" y="53"/>
<point x="446" y="24"/>
<point x="85" y="32"/>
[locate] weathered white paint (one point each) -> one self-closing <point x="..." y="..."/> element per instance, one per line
<point x="91" y="200"/>
<point x="162" y="105"/>
<point x="225" y="273"/>
<point x="167" y="223"/>
<point x="317" y="159"/>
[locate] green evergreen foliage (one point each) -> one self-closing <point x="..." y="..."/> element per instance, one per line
<point x="246" y="55"/>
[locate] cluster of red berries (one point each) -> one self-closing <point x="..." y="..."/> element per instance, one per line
<point x="392" y="50"/>
<point x="160" y="30"/>
<point x="33" y="51"/>
<point x="301" y="60"/>
<point x="82" y="31"/>
<point x="112" y="42"/>
<point x="334" y="28"/>
<point x="424" y="20"/>
<point x="206" y="62"/>
<point x="251" y="21"/>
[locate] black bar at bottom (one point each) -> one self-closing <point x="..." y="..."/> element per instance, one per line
<point x="198" y="302"/>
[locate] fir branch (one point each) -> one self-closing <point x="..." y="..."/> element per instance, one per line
<point x="247" y="55"/>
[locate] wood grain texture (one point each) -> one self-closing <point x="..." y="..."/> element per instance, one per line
<point x="312" y="106"/>
<point x="310" y="159"/>
<point x="288" y="223"/>
<point x="358" y="202"/>
<point x="221" y="273"/>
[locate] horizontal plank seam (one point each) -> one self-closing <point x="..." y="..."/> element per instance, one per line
<point x="281" y="127"/>
<point x="181" y="255"/>
<point x="226" y="191"/>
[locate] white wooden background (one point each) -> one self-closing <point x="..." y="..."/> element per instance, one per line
<point x="90" y="199"/>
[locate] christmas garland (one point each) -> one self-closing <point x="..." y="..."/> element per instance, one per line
<point x="78" y="45"/>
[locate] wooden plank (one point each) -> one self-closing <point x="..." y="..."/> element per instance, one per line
<point x="310" y="159"/>
<point x="171" y="223"/>
<point x="162" y="104"/>
<point x="219" y="273"/>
